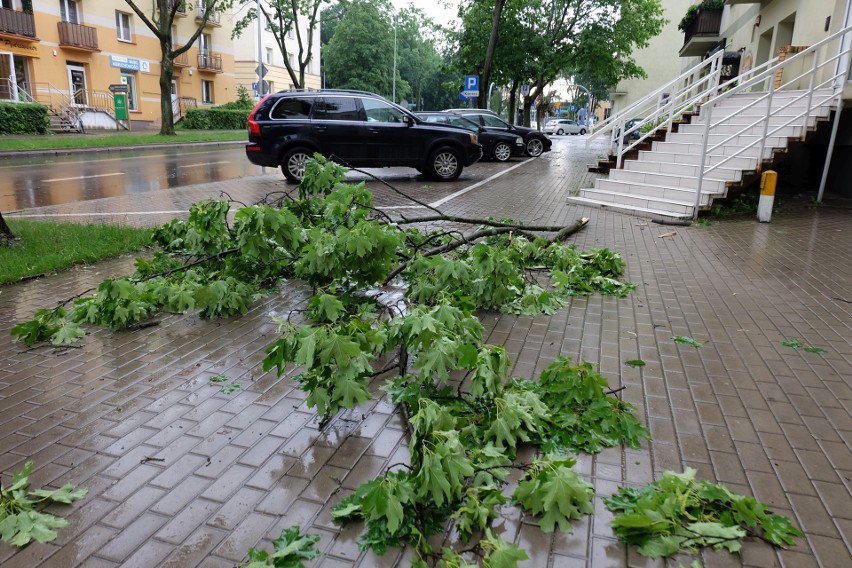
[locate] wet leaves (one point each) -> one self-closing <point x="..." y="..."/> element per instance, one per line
<point x="635" y="362"/>
<point x="796" y="343"/>
<point x="687" y="341"/>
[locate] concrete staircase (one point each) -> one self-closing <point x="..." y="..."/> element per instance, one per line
<point x="661" y="180"/>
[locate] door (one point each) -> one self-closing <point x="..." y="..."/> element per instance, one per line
<point x="389" y="139"/>
<point x="339" y="130"/>
<point x="77" y="84"/>
<point x="8" y="91"/>
<point x="175" y="102"/>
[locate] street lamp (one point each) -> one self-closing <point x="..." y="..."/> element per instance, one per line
<point x="393" y="96"/>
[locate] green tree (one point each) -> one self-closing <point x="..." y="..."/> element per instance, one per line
<point x="160" y="21"/>
<point x="286" y="18"/>
<point x="539" y="40"/>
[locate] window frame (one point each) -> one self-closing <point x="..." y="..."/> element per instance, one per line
<point x="119" y="27"/>
<point x="131" y="89"/>
<point x="207" y="91"/>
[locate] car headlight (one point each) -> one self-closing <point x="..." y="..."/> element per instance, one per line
<point x="519" y="140"/>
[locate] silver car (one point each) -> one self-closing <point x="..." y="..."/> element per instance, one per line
<point x="564" y="126"/>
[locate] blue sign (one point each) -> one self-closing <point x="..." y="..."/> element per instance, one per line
<point x="573" y="108"/>
<point x="471" y="86"/>
<point x="129" y="63"/>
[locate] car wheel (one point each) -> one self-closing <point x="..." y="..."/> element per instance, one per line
<point x="502" y="152"/>
<point x="445" y="164"/>
<point x="535" y="147"/>
<point x="582" y="132"/>
<point x="560" y="132"/>
<point x="293" y="163"/>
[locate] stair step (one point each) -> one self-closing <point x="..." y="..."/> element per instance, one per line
<point x="776" y="140"/>
<point x="726" y="150"/>
<point x="628" y="209"/>
<point x="638" y="192"/>
<point x="746" y="163"/>
<point x="729" y="128"/>
<point x="673" y="168"/>
<point x="663" y="182"/>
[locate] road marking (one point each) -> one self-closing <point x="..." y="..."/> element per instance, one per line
<point x="478" y="184"/>
<point x="101" y="160"/>
<point x="83" y="177"/>
<point x="204" y="164"/>
<point x="392" y="207"/>
<point x="113" y="214"/>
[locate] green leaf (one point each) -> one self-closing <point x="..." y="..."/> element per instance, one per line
<point x="231" y="388"/>
<point x="687" y="341"/>
<point x="635" y="362"/>
<point x="817" y="350"/>
<point x="778" y="530"/>
<point x="499" y="553"/>
<point x="793" y="342"/>
<point x="219" y="379"/>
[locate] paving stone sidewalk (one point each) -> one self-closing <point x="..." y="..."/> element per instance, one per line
<point x="182" y="474"/>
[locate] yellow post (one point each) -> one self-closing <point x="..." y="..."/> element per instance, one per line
<point x="768" y="181"/>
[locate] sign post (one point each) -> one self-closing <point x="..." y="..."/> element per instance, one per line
<point x="471" y="86"/>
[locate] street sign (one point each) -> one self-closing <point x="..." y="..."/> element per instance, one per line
<point x="120" y="106"/>
<point x="118" y="88"/>
<point x="525" y="90"/>
<point x="261" y="70"/>
<point x="471" y="86"/>
<point x="573" y="108"/>
<point x="557" y="104"/>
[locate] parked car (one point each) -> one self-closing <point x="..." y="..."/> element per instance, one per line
<point x="628" y="125"/>
<point x="357" y="129"/>
<point x="562" y="126"/>
<point x="536" y="142"/>
<point x="499" y="146"/>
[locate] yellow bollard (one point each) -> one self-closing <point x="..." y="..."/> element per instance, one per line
<point x="768" y="180"/>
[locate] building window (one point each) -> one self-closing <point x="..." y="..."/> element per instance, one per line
<point x="122" y="26"/>
<point x="68" y="11"/>
<point x="129" y="79"/>
<point x="207" y="92"/>
<point x="269" y="55"/>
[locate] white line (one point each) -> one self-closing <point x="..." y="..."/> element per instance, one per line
<point x="204" y="164"/>
<point x="477" y="184"/>
<point x="391" y="207"/>
<point x="82" y="177"/>
<point x="126" y="213"/>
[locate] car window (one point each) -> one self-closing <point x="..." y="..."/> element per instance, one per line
<point x="493" y="121"/>
<point x="292" y="108"/>
<point x="336" y="108"/>
<point x="378" y="111"/>
<point x="464" y="123"/>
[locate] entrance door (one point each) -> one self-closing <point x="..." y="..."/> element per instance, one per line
<point x="77" y="82"/>
<point x="8" y="91"/>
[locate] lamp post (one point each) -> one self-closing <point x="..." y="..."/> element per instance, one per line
<point x="393" y="96"/>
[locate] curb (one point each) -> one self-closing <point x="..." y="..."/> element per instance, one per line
<point x="118" y="149"/>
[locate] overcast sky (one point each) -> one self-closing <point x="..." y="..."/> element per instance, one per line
<point x="442" y="11"/>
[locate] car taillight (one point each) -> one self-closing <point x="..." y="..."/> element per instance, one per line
<point x="253" y="126"/>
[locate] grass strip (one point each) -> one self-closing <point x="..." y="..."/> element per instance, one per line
<point x="50" y="247"/>
<point x="102" y="140"/>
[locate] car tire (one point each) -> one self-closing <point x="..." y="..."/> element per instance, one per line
<point x="445" y="164"/>
<point x="560" y="132"/>
<point x="293" y="163"/>
<point x="501" y="152"/>
<point x="582" y="132"/>
<point x="535" y="147"/>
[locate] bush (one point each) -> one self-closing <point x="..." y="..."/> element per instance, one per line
<point x="218" y="118"/>
<point x="23" y="118"/>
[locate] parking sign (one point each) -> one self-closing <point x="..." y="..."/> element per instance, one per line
<point x="471" y="86"/>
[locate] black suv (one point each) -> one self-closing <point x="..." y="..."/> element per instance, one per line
<point x="537" y="143"/>
<point x="355" y="128"/>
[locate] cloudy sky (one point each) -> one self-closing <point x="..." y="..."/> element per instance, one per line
<point x="442" y="11"/>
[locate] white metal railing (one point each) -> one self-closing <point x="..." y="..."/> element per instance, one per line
<point x="824" y="77"/>
<point x="659" y="108"/>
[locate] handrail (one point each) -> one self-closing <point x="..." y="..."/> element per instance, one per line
<point x="801" y="118"/>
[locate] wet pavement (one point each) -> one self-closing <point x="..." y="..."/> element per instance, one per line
<point x="181" y="474"/>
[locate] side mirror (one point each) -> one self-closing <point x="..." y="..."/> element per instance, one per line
<point x="407" y="120"/>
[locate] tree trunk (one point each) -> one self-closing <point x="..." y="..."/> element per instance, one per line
<point x="513" y="102"/>
<point x="482" y="101"/>
<point x="167" y="67"/>
<point x="7" y="237"/>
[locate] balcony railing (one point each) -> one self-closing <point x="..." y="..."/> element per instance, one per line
<point x="182" y="60"/>
<point x="213" y="20"/>
<point x="77" y="36"/>
<point x="706" y="23"/>
<point x="17" y="23"/>
<point x="181" y="9"/>
<point x="210" y="62"/>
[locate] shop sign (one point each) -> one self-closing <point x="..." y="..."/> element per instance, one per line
<point x="18" y="47"/>
<point x="129" y="63"/>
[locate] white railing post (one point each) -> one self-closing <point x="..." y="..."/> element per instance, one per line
<point x="704" y="141"/>
<point x="766" y="123"/>
<point x="810" y="96"/>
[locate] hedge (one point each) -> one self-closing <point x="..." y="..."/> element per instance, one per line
<point x="24" y="118"/>
<point x="216" y="118"/>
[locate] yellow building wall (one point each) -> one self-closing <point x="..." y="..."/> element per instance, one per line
<point x="48" y="60"/>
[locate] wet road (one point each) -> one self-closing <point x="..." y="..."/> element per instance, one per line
<point x="54" y="180"/>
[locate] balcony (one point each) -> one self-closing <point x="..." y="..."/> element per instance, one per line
<point x="181" y="60"/>
<point x="181" y="9"/>
<point x="213" y="20"/>
<point x="75" y="36"/>
<point x="16" y="23"/>
<point x="702" y="34"/>
<point x="210" y="61"/>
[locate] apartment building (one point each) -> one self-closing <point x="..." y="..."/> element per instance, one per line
<point x="248" y="52"/>
<point x="67" y="53"/>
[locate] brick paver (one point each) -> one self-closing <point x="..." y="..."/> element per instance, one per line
<point x="181" y="474"/>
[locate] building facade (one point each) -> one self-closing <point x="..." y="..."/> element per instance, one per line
<point x="248" y="52"/>
<point x="67" y="53"/>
